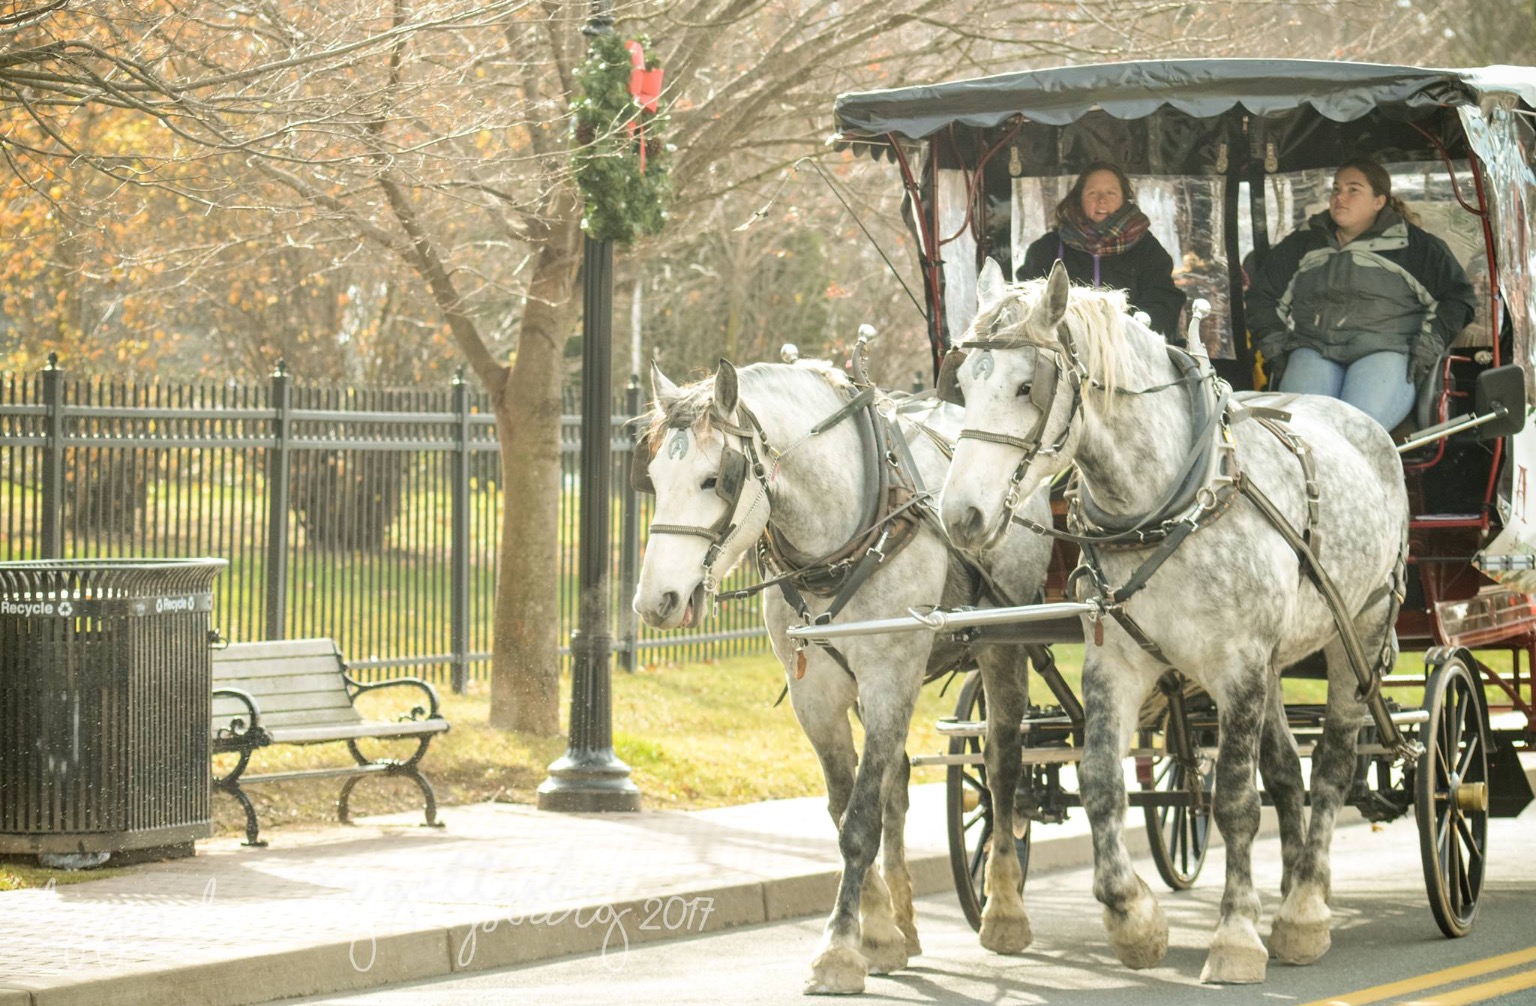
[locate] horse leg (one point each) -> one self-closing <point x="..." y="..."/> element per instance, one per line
<point x="893" y="855"/>
<point x="840" y="964"/>
<point x="822" y="701"/>
<point x="1005" y="678"/>
<point x="1237" y="954"/>
<point x="1137" y="929"/>
<point x="1280" y="765"/>
<point x="1301" y="931"/>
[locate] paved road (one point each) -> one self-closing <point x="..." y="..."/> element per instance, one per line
<point x="1383" y="934"/>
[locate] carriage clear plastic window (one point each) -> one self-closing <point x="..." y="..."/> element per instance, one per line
<point x="1187" y="219"/>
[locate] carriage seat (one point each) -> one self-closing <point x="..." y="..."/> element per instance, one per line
<point x="1426" y="407"/>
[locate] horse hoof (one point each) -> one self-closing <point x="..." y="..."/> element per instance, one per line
<point x="914" y="945"/>
<point x="837" y="972"/>
<point x="1003" y="935"/>
<point x="1299" y="942"/>
<point x="885" y="956"/>
<point x="1235" y="965"/>
<point x="1139" y="936"/>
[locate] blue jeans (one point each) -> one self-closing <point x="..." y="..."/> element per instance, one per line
<point x="1377" y="384"/>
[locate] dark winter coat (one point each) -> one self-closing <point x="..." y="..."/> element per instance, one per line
<point x="1395" y="288"/>
<point x="1144" y="271"/>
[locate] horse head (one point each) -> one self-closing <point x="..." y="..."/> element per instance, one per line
<point x="1019" y="373"/>
<point x="711" y="502"/>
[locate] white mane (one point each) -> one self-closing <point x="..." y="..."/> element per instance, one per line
<point x="1096" y="317"/>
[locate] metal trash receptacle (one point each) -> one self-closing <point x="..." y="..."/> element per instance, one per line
<point x="105" y="705"/>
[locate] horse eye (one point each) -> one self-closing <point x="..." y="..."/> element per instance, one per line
<point x="1023" y="391"/>
<point x="709" y="483"/>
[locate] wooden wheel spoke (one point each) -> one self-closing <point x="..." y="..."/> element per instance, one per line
<point x="979" y="856"/>
<point x="1466" y="757"/>
<point x="1469" y="842"/>
<point x="1455" y="712"/>
<point x="976" y="782"/>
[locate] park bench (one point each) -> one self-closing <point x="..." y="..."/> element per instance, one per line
<point x="298" y="691"/>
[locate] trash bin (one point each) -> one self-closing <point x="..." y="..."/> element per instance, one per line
<point x="105" y="706"/>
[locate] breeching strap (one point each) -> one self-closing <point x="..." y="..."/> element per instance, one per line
<point x="1369" y="684"/>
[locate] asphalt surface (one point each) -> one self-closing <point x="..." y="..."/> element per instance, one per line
<point x="1384" y="935"/>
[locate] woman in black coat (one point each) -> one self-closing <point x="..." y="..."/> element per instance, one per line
<point x="1103" y="239"/>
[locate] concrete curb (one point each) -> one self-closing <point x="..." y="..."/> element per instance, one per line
<point x="436" y="952"/>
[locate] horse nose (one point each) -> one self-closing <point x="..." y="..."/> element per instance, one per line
<point x="968" y="529"/>
<point x="668" y="604"/>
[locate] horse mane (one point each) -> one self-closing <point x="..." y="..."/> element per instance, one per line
<point x="695" y="405"/>
<point x="1096" y="318"/>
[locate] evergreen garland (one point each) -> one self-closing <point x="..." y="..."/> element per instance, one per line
<point x="620" y="201"/>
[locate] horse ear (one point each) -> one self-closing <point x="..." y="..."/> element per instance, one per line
<point x="1053" y="306"/>
<point x="990" y="285"/>
<point x="727" y="394"/>
<point x="662" y="388"/>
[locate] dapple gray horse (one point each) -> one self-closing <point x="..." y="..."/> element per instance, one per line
<point x="814" y="489"/>
<point x="1230" y="607"/>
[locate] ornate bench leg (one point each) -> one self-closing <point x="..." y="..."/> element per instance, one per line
<point x="406" y="769"/>
<point x="343" y="812"/>
<point x="231" y="784"/>
<point x="410" y="771"/>
<point x="252" y="828"/>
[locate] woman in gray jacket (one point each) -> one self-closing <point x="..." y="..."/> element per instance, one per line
<point x="1360" y="303"/>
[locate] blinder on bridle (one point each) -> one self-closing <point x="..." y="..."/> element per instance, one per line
<point x="1042" y="388"/>
<point x="729" y="481"/>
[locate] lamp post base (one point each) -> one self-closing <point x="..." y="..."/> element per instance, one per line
<point x="592" y="782"/>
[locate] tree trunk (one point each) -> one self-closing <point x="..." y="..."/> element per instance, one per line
<point x="525" y="659"/>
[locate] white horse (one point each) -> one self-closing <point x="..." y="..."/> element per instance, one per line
<point x="782" y="455"/>
<point x="1059" y="377"/>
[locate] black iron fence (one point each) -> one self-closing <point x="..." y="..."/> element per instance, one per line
<point x="372" y="516"/>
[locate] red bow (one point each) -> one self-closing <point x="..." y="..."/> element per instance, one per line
<point x="645" y="88"/>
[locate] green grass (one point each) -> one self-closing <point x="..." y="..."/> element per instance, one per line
<point x="17" y="872"/>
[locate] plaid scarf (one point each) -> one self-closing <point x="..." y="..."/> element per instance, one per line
<point x="1118" y="233"/>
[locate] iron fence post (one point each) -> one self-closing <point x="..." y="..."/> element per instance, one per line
<point x="589" y="776"/>
<point x="51" y="538"/>
<point x="459" y="616"/>
<point x="277" y="506"/>
<point x="629" y="555"/>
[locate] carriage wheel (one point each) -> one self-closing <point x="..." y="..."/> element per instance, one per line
<point x="1451" y="795"/>
<point x="969" y="812"/>
<point x="1179" y="836"/>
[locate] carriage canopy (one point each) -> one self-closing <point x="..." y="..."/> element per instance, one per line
<point x="1171" y="116"/>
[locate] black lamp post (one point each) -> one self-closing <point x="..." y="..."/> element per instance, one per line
<point x="589" y="777"/>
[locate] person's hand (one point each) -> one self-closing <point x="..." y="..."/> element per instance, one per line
<point x="1423" y="359"/>
<point x="1273" y="349"/>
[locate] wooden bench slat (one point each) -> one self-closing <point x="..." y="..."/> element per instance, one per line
<point x="279" y="685"/>
<point x="320" y="734"/>
<point x="277" y="708"/>
<point x="231" y="670"/>
<point x="278" y="648"/>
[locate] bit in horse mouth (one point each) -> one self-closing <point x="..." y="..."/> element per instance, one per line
<point x="692" y="614"/>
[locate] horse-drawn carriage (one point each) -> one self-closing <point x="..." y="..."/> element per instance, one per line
<point x="1227" y="157"/>
<point x="1276" y="533"/>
